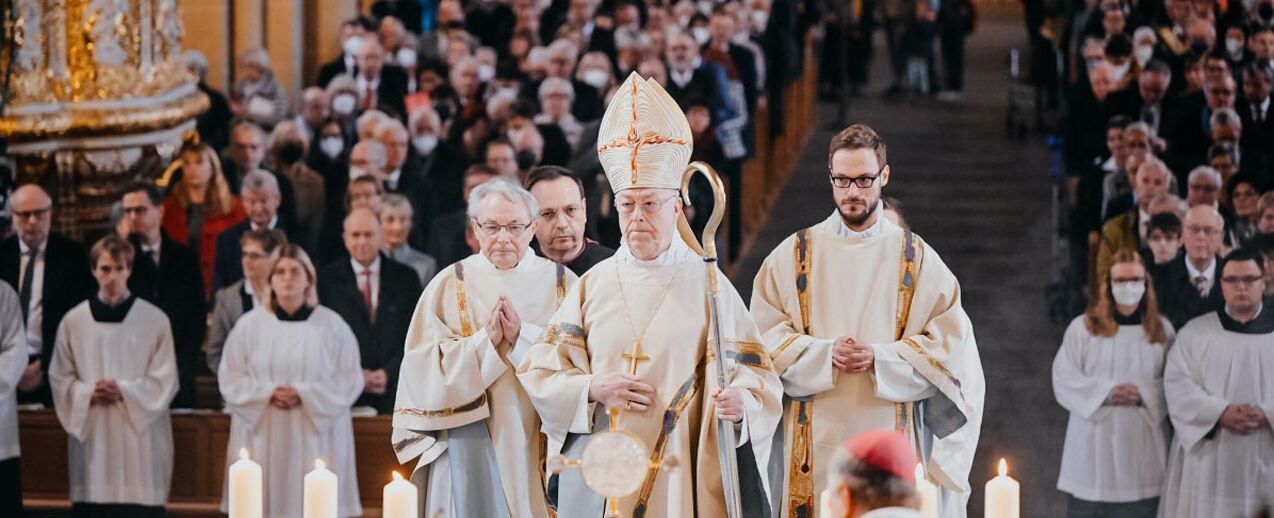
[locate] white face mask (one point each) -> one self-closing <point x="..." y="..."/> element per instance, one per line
<point x="1143" y="54"/>
<point x="1234" y="45"/>
<point x="759" y="20"/>
<point x="700" y="34"/>
<point x="406" y="58"/>
<point x="356" y="172"/>
<point x="1117" y="72"/>
<point x="705" y="6"/>
<point x="343" y="104"/>
<point x="486" y="73"/>
<point x="595" y="77"/>
<point x="1127" y="293"/>
<point x="332" y="146"/>
<point x="352" y="45"/>
<point x="425" y="144"/>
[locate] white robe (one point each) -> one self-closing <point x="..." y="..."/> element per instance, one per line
<point x="13" y="360"/>
<point x="1212" y="471"/>
<point x="1112" y="453"/>
<point x="319" y="358"/>
<point x="458" y="399"/>
<point x="121" y="453"/>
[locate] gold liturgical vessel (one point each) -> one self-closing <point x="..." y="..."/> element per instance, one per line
<point x="95" y="96"/>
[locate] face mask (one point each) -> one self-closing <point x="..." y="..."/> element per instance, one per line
<point x="1118" y="72"/>
<point x="1199" y="48"/>
<point x="1127" y="293"/>
<point x="332" y="146"/>
<point x="1090" y="64"/>
<point x="526" y="159"/>
<point x="759" y="20"/>
<point x="1234" y="45"/>
<point x="1143" y="54"/>
<point x="486" y="73"/>
<point x="425" y="144"/>
<point x="290" y="153"/>
<point x="343" y="104"/>
<point x="356" y="172"/>
<point x="595" y="78"/>
<point x="352" y="46"/>
<point x="700" y="34"/>
<point x="510" y="92"/>
<point x="407" y="58"/>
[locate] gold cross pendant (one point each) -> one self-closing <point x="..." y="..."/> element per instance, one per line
<point x="634" y="357"/>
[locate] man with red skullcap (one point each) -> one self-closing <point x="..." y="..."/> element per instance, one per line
<point x="873" y="475"/>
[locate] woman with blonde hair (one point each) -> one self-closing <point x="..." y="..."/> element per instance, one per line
<point x="289" y="373"/>
<point x="1109" y="375"/>
<point x="200" y="207"/>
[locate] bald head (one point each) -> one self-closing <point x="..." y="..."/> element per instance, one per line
<point x="1201" y="234"/>
<point x="32" y="214"/>
<point x="363" y="236"/>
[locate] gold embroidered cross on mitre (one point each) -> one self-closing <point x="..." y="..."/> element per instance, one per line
<point x="645" y="138"/>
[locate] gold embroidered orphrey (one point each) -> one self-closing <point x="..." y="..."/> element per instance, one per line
<point x="800" y="412"/>
<point x="633" y="141"/>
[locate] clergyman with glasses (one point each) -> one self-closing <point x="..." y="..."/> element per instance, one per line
<point x="563" y="219"/>
<point x="864" y="324"/>
<point x="460" y="408"/>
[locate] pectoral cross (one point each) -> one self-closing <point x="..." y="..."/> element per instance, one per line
<point x="634" y="142"/>
<point x="634" y="357"/>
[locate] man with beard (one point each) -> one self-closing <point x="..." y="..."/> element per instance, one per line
<point x="864" y="324"/>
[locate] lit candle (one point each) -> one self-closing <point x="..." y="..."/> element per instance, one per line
<point x="320" y="493"/>
<point x="1003" y="495"/>
<point x="928" y="494"/>
<point x="829" y="506"/>
<point x="245" y="487"/>
<point x="400" y="499"/>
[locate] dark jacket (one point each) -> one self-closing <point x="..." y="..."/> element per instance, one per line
<point x="1178" y="298"/>
<point x="228" y="268"/>
<point x="176" y="287"/>
<point x="380" y="340"/>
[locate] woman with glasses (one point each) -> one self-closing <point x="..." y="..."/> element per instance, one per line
<point x="1108" y="374"/>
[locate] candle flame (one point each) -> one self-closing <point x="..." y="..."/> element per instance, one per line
<point x="397" y="476"/>
<point x="318" y="464"/>
<point x="243" y="453"/>
<point x="1004" y="467"/>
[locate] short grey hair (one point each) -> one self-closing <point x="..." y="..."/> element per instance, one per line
<point x="1140" y="127"/>
<point x="260" y="181"/>
<point x="558" y="85"/>
<point x="505" y="189"/>
<point x="1179" y="205"/>
<point x="195" y="59"/>
<point x="376" y="154"/>
<point x="421" y="113"/>
<point x="395" y="201"/>
<point x="1225" y="117"/>
<point x="1204" y="171"/>
<point x="1155" y="163"/>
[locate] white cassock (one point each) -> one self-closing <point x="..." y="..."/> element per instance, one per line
<point x="317" y="356"/>
<point x="1212" y="471"/>
<point x="594" y="332"/>
<point x="1112" y="453"/>
<point x="827" y="282"/>
<point x="460" y="408"/>
<point x="13" y="360"/>
<point x="121" y="453"/>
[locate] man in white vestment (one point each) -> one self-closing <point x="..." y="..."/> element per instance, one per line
<point x="460" y="408"/>
<point x="864" y="323"/>
<point x="13" y="360"/>
<point x="113" y="375"/>
<point x="633" y="334"/>
<point x="1221" y="400"/>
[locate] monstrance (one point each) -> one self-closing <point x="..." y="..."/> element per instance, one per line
<point x="614" y="463"/>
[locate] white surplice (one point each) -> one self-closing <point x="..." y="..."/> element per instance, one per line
<point x="1212" y="471"/>
<point x="120" y="453"/>
<point x="1112" y="453"/>
<point x="319" y="358"/>
<point x="460" y="407"/>
<point x="13" y="360"/>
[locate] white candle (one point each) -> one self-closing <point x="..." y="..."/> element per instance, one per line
<point x="1003" y="495"/>
<point x="320" y="493"/>
<point x="928" y="494"/>
<point x="829" y="506"/>
<point x="399" y="500"/>
<point x="245" y="487"/>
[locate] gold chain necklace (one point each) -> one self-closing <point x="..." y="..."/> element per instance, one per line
<point x="635" y="355"/>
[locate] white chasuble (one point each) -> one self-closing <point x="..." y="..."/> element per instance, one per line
<point x="1112" y="453"/>
<point x="318" y="356"/>
<point x="460" y="407"/>
<point x="594" y="332"/>
<point x="888" y="289"/>
<point x="120" y="453"/>
<point x="1212" y="471"/>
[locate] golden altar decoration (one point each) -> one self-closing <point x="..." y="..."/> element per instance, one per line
<point x="97" y="96"/>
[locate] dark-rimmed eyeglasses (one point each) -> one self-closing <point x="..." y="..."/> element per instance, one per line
<point x="862" y="182"/>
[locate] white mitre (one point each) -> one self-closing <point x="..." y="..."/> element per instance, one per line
<point x="644" y="139"/>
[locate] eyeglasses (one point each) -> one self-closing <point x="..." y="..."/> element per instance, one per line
<point x="1246" y="280"/>
<point x="648" y="207"/>
<point x="862" y="182"/>
<point x="1207" y="231"/>
<point x="492" y="228"/>
<point x="1121" y="280"/>
<point x="33" y="213"/>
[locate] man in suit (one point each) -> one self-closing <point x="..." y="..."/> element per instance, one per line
<point x="563" y="56"/>
<point x="51" y="275"/>
<point x="1254" y="110"/>
<point x="441" y="163"/>
<point x="260" y="196"/>
<point x="166" y="274"/>
<point x="352" y="34"/>
<point x="1189" y="285"/>
<point x="406" y="178"/>
<point x="450" y="239"/>
<point x="1129" y="229"/>
<point x="689" y="77"/>
<point x="376" y="296"/>
<point x="1146" y="101"/>
<point x="380" y="86"/>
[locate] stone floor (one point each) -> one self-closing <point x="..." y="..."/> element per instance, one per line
<point x="982" y="201"/>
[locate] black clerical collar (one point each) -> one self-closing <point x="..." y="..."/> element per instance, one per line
<point x="1261" y="325"/>
<point x="302" y="314"/>
<point x="1131" y="320"/>
<point x="110" y="314"/>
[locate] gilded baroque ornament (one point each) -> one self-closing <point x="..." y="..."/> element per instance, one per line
<point x="98" y="96"/>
